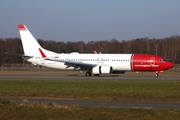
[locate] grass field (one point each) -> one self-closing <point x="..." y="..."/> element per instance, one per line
<point x="34" y="111"/>
<point x="123" y="90"/>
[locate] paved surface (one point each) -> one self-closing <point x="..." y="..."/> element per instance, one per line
<point x="74" y="77"/>
<point x="112" y="104"/>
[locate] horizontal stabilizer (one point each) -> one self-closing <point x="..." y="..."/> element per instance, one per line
<point x="28" y="56"/>
<point x="18" y="55"/>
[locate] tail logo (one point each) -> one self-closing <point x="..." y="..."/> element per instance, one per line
<point x="21" y="27"/>
<point x="42" y="53"/>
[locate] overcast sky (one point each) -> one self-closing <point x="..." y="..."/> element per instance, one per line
<point x="90" y="20"/>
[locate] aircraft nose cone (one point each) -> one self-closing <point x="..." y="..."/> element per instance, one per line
<point x="171" y="65"/>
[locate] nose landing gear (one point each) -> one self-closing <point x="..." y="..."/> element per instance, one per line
<point x="156" y="74"/>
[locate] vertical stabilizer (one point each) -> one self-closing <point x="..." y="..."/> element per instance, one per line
<point x="30" y="44"/>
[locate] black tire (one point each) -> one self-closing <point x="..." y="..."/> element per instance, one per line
<point x="88" y="74"/>
<point x="156" y="74"/>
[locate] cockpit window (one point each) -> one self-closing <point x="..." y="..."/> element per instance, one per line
<point x="162" y="60"/>
<point x="169" y="60"/>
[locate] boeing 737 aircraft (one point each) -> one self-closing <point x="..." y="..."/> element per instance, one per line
<point x="91" y="63"/>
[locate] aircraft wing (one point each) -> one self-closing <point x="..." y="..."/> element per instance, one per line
<point x="79" y="65"/>
<point x="76" y="65"/>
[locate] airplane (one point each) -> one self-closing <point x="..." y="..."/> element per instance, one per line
<point x="95" y="64"/>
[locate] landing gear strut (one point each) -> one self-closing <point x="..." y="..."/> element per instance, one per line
<point x="88" y="73"/>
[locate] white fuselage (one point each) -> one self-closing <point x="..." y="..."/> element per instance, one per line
<point x="117" y="61"/>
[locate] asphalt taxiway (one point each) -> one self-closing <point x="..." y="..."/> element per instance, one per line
<point x="74" y="77"/>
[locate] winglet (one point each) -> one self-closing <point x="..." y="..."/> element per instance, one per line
<point x="42" y="53"/>
<point x="95" y="52"/>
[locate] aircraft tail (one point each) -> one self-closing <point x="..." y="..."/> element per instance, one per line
<point x="30" y="44"/>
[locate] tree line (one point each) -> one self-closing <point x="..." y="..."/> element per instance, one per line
<point x="165" y="47"/>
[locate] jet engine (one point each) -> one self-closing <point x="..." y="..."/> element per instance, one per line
<point x="102" y="70"/>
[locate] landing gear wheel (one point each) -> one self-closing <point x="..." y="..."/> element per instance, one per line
<point x="88" y="74"/>
<point x="156" y="74"/>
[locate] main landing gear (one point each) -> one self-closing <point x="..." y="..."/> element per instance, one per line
<point x="88" y="73"/>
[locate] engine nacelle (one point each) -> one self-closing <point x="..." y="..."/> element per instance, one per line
<point x="102" y="70"/>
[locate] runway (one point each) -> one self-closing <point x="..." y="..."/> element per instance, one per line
<point x="111" y="104"/>
<point x="74" y="77"/>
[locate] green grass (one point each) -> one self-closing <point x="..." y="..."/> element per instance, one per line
<point x="123" y="90"/>
<point x="35" y="111"/>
